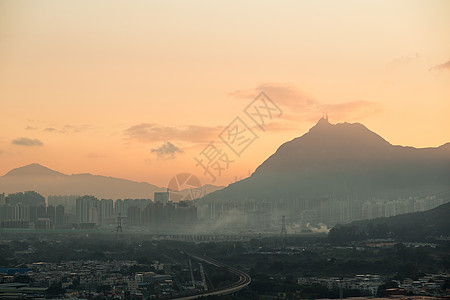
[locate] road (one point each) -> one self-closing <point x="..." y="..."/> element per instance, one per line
<point x="244" y="280"/>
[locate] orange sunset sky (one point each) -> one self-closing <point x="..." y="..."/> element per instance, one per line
<point x="137" y="89"/>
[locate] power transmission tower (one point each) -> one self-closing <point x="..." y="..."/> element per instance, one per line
<point x="202" y="273"/>
<point x="192" y="274"/>
<point x="341" y="289"/>
<point x="119" y="226"/>
<point x="283" y="225"/>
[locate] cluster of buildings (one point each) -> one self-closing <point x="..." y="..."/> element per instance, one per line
<point x="430" y="284"/>
<point x="268" y="213"/>
<point x="86" y="212"/>
<point x="91" y="279"/>
<point x="247" y="214"/>
<point x="29" y="210"/>
<point x="160" y="213"/>
<point x="77" y="279"/>
<point x="365" y="283"/>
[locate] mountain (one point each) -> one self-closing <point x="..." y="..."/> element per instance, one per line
<point x="411" y="226"/>
<point x="33" y="170"/>
<point x="341" y="161"/>
<point x="49" y="182"/>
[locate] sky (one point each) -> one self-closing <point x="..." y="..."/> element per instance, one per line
<point x="144" y="90"/>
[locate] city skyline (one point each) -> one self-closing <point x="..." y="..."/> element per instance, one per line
<point x="138" y="90"/>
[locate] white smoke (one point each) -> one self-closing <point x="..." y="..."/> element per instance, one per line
<point x="319" y="228"/>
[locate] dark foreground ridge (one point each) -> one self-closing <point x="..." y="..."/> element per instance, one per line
<point x="405" y="227"/>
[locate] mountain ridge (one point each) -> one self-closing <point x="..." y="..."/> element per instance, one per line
<point x="409" y="226"/>
<point x="50" y="182"/>
<point x="338" y="160"/>
<point x="32" y="170"/>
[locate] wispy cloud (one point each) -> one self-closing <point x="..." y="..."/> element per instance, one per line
<point x="151" y="133"/>
<point x="441" y="67"/>
<point x="358" y="109"/>
<point x="302" y="106"/>
<point x="284" y="94"/>
<point x="404" y="60"/>
<point x="76" y="128"/>
<point x="278" y="127"/>
<point x="69" y="128"/>
<point x="95" y="155"/>
<point x="65" y="129"/>
<point x="167" y="151"/>
<point x="23" y="141"/>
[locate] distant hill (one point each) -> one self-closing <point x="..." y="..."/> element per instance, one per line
<point x="49" y="182"/>
<point x="33" y="170"/>
<point x="340" y="161"/>
<point x="412" y="226"/>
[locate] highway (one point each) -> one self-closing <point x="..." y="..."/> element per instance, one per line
<point x="244" y="280"/>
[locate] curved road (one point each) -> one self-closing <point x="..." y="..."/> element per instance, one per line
<point x="244" y="280"/>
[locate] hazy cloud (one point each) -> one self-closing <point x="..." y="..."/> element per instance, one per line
<point x="442" y="67"/>
<point x="167" y="151"/>
<point x="150" y="133"/>
<point x="352" y="109"/>
<point x="403" y="60"/>
<point x="69" y="128"/>
<point x="284" y="94"/>
<point x="278" y="126"/>
<point x="304" y="107"/>
<point x="95" y="155"/>
<point x="23" y="141"/>
<point x="75" y="128"/>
